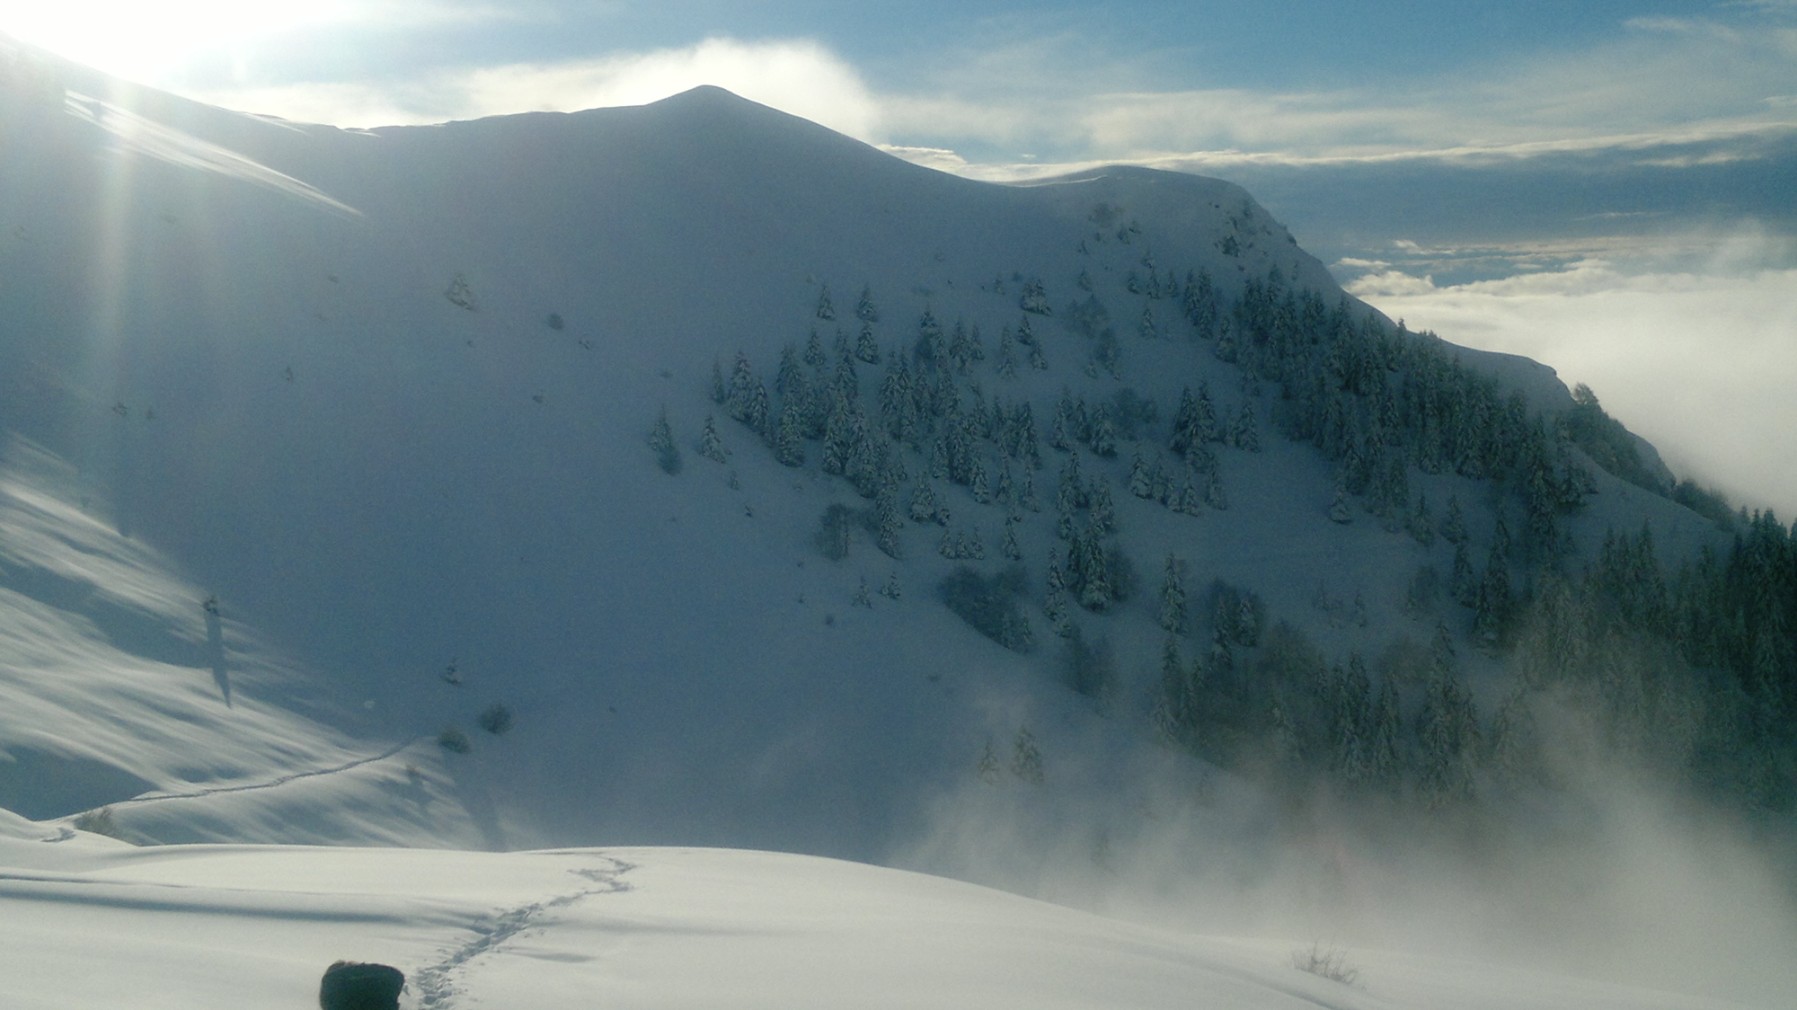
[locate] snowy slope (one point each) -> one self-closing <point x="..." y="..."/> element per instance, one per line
<point x="237" y="332"/>
<point x="275" y="392"/>
<point x="222" y="926"/>
<point x="381" y="397"/>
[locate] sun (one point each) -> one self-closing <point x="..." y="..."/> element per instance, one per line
<point x="147" y="42"/>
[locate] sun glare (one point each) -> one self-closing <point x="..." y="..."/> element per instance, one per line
<point x="147" y="42"/>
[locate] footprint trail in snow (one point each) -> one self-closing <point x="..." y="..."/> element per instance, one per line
<point x="437" y="984"/>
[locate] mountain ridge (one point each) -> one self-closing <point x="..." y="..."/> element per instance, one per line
<point x="405" y="445"/>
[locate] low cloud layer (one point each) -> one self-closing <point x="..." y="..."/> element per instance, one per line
<point x="1699" y="359"/>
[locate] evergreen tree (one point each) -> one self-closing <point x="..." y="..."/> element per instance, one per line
<point x="865" y="346"/>
<point x="742" y="388"/>
<point x="864" y="307"/>
<point x="1103" y="439"/>
<point x="1173" y="598"/>
<point x="932" y="350"/>
<point x="661" y="439"/>
<point x="845" y="382"/>
<point x="1187" y="500"/>
<point x="789" y="436"/>
<point x="1007" y="354"/>
<point x="888" y="524"/>
<point x="1213" y="490"/>
<point x="1350" y="719"/>
<point x="1089" y="571"/>
<point x="1175" y="709"/>
<point x="710" y="445"/>
<point x="1245" y="433"/>
<point x="897" y="402"/>
<point x="1139" y="483"/>
<point x="1493" y="604"/>
<point x="1026" y="757"/>
<point x="1186" y="432"/>
<point x="1453" y="526"/>
<point x="825" y="310"/>
<point x="1385" y="762"/>
<point x="924" y="507"/>
<point x="1447" y="738"/>
<point x="843" y="432"/>
<point x="1462" y="583"/>
<point x="1006" y="490"/>
<point x="1054" y="602"/>
<point x="1338" y="507"/>
<point x="833" y="529"/>
<point x="1422" y="523"/>
<point x="719" y="391"/>
<point x="789" y="378"/>
<point x="1101" y="512"/>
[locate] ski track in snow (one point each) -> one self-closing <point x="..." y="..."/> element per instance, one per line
<point x="436" y="983"/>
<point x="282" y="780"/>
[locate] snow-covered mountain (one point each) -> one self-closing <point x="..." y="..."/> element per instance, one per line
<point x="336" y="507"/>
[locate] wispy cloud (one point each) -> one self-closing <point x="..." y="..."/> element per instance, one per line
<point x="1656" y="82"/>
<point x="799" y="76"/>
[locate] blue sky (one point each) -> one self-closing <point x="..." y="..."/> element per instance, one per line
<point x="1490" y="170"/>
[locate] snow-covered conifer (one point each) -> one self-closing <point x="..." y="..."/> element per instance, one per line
<point x="1422" y="522"/>
<point x="1101" y="510"/>
<point x="923" y="506"/>
<point x="1173" y="597"/>
<point x="1214" y="495"/>
<point x="789" y="436"/>
<point x="1008" y="546"/>
<point x="711" y="446"/>
<point x="661" y="439"/>
<point x="888" y="524"/>
<point x="1453" y="525"/>
<point x="1035" y="299"/>
<point x="866" y="348"/>
<point x="1026" y="757"/>
<point x="1139" y="483"/>
<point x="1244" y="434"/>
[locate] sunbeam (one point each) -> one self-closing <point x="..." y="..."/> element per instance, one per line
<point x="144" y="42"/>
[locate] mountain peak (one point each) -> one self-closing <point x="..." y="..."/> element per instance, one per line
<point x="708" y="93"/>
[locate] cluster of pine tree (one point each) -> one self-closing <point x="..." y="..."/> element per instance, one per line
<point x="1696" y="673"/>
<point x="1380" y="403"/>
<point x="929" y="407"/>
<point x="1710" y="653"/>
<point x="1270" y="702"/>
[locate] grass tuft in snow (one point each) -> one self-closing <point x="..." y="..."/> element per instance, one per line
<point x="1326" y="962"/>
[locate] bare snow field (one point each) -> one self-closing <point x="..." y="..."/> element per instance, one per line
<point x="94" y="923"/>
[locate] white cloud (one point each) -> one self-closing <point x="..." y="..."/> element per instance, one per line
<point x="939" y="158"/>
<point x="796" y="75"/>
<point x="1701" y="362"/>
<point x="1389" y="283"/>
<point x="1654" y="84"/>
